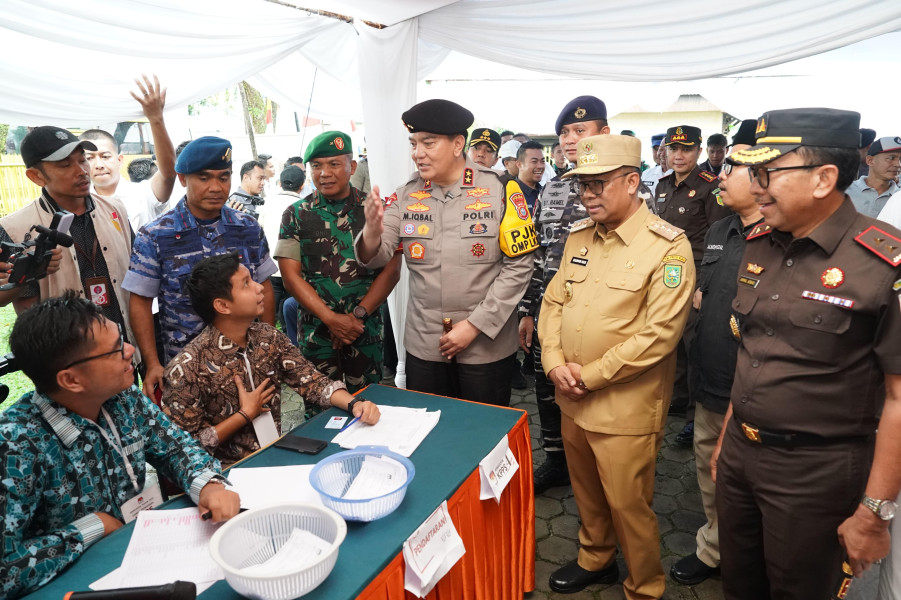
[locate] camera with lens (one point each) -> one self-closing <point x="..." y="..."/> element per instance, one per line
<point x="249" y="202"/>
<point x="31" y="258"/>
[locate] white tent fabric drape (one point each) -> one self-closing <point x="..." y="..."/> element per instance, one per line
<point x="73" y="62"/>
<point x="654" y="40"/>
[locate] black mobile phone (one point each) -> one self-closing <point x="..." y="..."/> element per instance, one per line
<point x="304" y="445"/>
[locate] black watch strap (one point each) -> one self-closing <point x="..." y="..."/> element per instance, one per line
<point x="350" y="405"/>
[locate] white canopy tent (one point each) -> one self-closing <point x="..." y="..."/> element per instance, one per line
<point x="72" y="62"/>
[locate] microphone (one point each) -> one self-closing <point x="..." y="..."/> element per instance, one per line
<point x="57" y="237"/>
<point x="180" y="590"/>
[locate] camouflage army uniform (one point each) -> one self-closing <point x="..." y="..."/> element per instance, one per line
<point x="167" y="248"/>
<point x="558" y="208"/>
<point x="319" y="234"/>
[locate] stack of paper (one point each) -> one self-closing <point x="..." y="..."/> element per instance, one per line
<point x="379" y="475"/>
<point x="400" y="429"/>
<point x="176" y="544"/>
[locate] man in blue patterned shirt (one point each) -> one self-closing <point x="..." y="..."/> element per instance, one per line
<point x="167" y="248"/>
<point x="73" y="452"/>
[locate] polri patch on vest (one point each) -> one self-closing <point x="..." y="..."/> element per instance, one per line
<point x="578" y="260"/>
<point x="409" y="228"/>
<point x="749" y="281"/>
<point x="478" y="249"/>
<point x="843" y="302"/>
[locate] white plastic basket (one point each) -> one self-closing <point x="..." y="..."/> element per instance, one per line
<point x="254" y="536"/>
<point x="332" y="476"/>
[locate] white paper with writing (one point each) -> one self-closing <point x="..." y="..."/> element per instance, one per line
<point x="432" y="550"/>
<point x="496" y="470"/>
<point x="399" y="428"/>
<point x="377" y="476"/>
<point x="176" y="543"/>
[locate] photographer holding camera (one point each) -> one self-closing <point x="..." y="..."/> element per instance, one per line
<point x="97" y="260"/>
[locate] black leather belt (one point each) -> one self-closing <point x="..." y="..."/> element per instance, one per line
<point x="791" y="440"/>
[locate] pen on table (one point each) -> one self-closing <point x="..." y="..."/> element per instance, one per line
<point x="352" y="421"/>
<point x="209" y="514"/>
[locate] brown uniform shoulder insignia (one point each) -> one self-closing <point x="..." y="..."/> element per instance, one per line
<point x="759" y="231"/>
<point x="882" y="244"/>
<point x="707" y="176"/>
<point x="580" y="225"/>
<point x="665" y="230"/>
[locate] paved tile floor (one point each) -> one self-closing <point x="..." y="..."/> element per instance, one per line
<point x="677" y="503"/>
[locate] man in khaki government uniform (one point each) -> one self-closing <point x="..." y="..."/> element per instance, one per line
<point x="467" y="237"/>
<point x="610" y="322"/>
<point x="818" y="370"/>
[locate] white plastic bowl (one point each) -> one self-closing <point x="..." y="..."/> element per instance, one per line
<point x="332" y="476"/>
<point x="254" y="536"/>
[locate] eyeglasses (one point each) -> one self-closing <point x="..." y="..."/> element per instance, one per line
<point x="595" y="185"/>
<point x="120" y="349"/>
<point x="762" y="174"/>
<point x="727" y="169"/>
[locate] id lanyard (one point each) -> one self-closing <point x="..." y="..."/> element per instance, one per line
<point x="117" y="446"/>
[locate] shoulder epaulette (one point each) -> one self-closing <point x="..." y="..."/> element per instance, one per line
<point x="761" y="230"/>
<point x="665" y="230"/>
<point x="707" y="176"/>
<point x="580" y="225"/>
<point x="882" y="244"/>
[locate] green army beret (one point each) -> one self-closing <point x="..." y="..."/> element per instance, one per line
<point x="329" y="143"/>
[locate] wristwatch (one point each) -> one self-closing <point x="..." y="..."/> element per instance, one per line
<point x="360" y="312"/>
<point x="350" y="405"/>
<point x="884" y="509"/>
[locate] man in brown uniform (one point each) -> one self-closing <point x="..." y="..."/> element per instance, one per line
<point x="819" y="320"/>
<point x="687" y="199"/>
<point x="466" y="238"/>
<point x="610" y="322"/>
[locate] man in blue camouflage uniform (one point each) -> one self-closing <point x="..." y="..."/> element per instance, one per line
<point x="339" y="329"/>
<point x="558" y="207"/>
<point x="75" y="450"/>
<point x="167" y="248"/>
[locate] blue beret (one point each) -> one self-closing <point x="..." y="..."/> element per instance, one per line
<point x="206" y="152"/>
<point x="656" y="140"/>
<point x="583" y="108"/>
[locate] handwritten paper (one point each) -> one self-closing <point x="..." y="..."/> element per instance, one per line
<point x="400" y="429"/>
<point x="265" y="486"/>
<point x="496" y="470"/>
<point x="170" y="545"/>
<point x="432" y="551"/>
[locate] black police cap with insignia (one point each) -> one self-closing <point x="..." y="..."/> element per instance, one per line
<point x="580" y="109"/>
<point x="782" y="131"/>
<point x="686" y="135"/>
<point x="437" y="116"/>
<point x="489" y="136"/>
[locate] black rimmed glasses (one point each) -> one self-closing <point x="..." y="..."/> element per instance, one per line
<point x="120" y="349"/>
<point x="762" y="174"/>
<point x="595" y="185"/>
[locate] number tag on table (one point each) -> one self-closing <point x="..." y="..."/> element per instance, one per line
<point x="496" y="470"/>
<point x="432" y="550"/>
